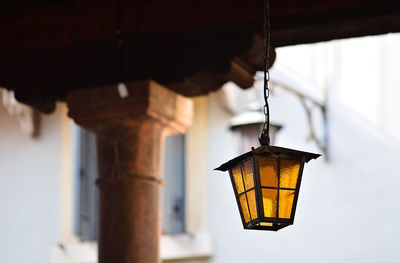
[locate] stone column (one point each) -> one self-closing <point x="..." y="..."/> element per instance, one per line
<point x="131" y="122"/>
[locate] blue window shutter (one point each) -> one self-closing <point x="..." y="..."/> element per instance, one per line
<point x="87" y="195"/>
<point x="173" y="216"/>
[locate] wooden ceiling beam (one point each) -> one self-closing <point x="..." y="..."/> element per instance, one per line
<point x="348" y="28"/>
<point x="47" y="24"/>
<point x="51" y="47"/>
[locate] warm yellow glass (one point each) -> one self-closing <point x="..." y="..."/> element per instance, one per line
<point x="268" y="168"/>
<point x="237" y="179"/>
<point x="285" y="203"/>
<point x="289" y="173"/>
<point x="251" y="196"/>
<point x="270" y="202"/>
<point x="248" y="174"/>
<point x="265" y="224"/>
<point x="244" y="208"/>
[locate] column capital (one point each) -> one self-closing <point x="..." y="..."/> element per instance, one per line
<point x="130" y="103"/>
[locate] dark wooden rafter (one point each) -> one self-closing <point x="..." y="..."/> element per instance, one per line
<point x="49" y="48"/>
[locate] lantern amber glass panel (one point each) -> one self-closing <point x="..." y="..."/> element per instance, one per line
<point x="266" y="183"/>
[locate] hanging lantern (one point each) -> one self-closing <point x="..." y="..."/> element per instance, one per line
<point x="266" y="181"/>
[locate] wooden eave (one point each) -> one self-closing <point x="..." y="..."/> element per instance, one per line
<point x="51" y="47"/>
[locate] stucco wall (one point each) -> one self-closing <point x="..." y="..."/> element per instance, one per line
<point x="30" y="172"/>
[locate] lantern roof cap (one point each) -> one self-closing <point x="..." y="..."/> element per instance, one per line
<point x="273" y="151"/>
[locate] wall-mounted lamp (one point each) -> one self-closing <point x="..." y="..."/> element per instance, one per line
<point x="247" y="126"/>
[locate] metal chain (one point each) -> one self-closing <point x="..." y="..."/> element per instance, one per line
<point x="264" y="138"/>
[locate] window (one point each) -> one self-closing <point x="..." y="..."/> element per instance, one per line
<point x="86" y="194"/>
<point x="86" y="204"/>
<point x="173" y="191"/>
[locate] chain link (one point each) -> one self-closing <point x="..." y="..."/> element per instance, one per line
<point x="264" y="138"/>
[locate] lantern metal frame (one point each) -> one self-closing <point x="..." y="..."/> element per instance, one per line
<point x="278" y="153"/>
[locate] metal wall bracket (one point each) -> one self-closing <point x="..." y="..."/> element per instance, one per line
<point x="310" y="106"/>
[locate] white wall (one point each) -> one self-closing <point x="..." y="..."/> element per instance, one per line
<point x="348" y="208"/>
<point x="30" y="175"/>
